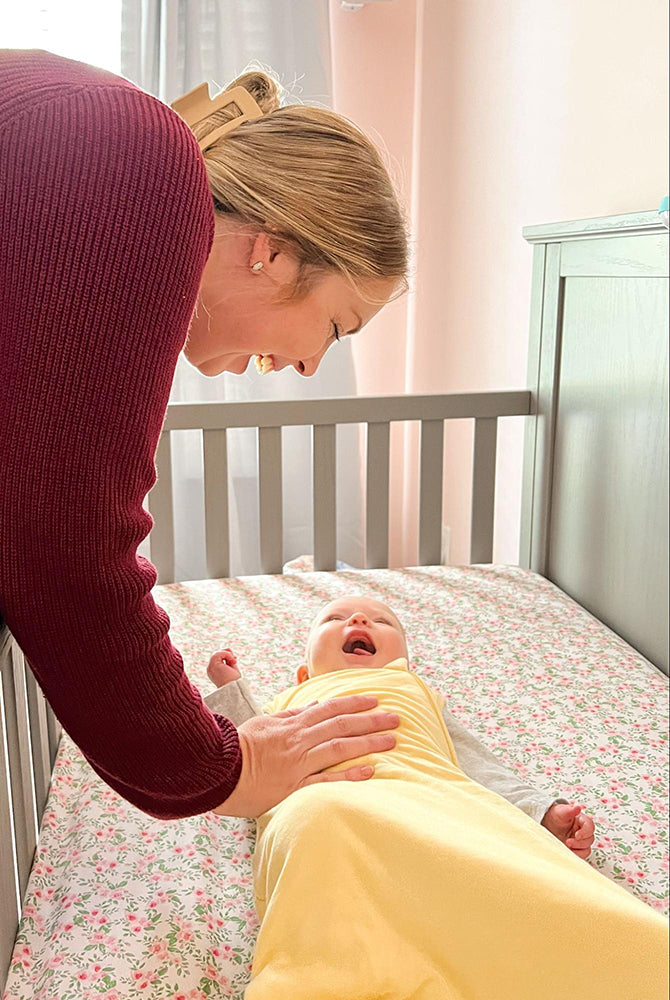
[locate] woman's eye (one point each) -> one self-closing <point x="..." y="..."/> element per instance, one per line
<point x="337" y="332"/>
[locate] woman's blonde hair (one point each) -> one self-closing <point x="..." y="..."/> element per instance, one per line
<point x="312" y="180"/>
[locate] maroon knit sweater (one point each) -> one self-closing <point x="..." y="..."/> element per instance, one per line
<point x="106" y="222"/>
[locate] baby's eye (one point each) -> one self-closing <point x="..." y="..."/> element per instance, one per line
<point x="332" y="618"/>
<point x="383" y="621"/>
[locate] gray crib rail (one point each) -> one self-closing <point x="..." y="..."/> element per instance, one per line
<point x="323" y="415"/>
<point x="29" y="736"/>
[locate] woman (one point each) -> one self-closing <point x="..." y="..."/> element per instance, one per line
<point x="125" y="238"/>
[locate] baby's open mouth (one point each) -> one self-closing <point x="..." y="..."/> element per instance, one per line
<point x="360" y="647"/>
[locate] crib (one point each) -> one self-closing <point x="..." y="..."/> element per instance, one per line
<point x="558" y="664"/>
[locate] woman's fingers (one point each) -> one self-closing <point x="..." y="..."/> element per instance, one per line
<point x="342" y="728"/>
<point x="341" y="706"/>
<point x="281" y="753"/>
<point x="360" y="772"/>
<point x="288" y="712"/>
<point x="345" y="726"/>
<point x="340" y="748"/>
<point x="342" y="737"/>
<point x="328" y="709"/>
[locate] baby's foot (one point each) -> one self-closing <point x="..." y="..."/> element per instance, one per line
<point x="222" y="668"/>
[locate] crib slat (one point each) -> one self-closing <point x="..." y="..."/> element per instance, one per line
<point x="161" y="539"/>
<point x="377" y="500"/>
<point x="216" y="504"/>
<point x="24" y="784"/>
<point x="55" y="730"/>
<point x="39" y="740"/>
<point x="430" y="497"/>
<point x="20" y="763"/>
<point x="270" y="498"/>
<point x="483" y="490"/>
<point x="325" y="504"/>
<point x="27" y="791"/>
<point x="9" y="889"/>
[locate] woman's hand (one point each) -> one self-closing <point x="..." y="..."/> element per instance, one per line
<point x="289" y="750"/>
<point x="222" y="668"/>
<point x="575" y="830"/>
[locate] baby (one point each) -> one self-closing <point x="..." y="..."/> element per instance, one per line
<point x="358" y="632"/>
<point x="434" y="878"/>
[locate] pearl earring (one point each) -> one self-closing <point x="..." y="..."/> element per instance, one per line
<point x="257" y="266"/>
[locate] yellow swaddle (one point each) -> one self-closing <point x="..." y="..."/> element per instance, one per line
<point x="422" y="884"/>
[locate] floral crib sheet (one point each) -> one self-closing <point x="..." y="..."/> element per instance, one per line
<point x="124" y="906"/>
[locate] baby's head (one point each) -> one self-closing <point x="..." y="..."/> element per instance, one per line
<point x="352" y="632"/>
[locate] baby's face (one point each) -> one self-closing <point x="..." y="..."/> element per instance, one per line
<point x="353" y="632"/>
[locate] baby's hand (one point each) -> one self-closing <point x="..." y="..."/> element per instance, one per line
<point x="575" y="830"/>
<point x="222" y="668"/>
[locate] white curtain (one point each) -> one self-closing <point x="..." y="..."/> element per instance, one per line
<point x="169" y="47"/>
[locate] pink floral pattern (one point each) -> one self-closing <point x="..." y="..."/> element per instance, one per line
<point x="124" y="906"/>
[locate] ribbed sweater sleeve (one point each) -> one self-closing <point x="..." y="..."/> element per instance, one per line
<point x="106" y="221"/>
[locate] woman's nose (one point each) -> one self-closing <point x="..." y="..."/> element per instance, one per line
<point x="310" y="365"/>
<point x="307" y="368"/>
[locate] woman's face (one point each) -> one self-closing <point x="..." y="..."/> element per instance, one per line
<point x="240" y="312"/>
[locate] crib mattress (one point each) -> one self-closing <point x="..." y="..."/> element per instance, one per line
<point x="122" y="905"/>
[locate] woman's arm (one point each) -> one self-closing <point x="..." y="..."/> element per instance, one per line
<point x="485" y="768"/>
<point x="99" y="273"/>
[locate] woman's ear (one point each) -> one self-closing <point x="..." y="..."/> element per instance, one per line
<point x="261" y="250"/>
<point x="278" y="265"/>
<point x="303" y="673"/>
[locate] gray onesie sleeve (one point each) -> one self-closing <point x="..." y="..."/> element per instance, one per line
<point x="485" y="768"/>
<point x="237" y="703"/>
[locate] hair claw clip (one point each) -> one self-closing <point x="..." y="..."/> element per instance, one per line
<point x="197" y="105"/>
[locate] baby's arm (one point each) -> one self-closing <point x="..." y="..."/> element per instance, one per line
<point x="235" y="701"/>
<point x="485" y="768"/>
<point x="232" y="698"/>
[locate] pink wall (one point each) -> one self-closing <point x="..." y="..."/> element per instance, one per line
<point x="373" y="78"/>
<point x="500" y="114"/>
